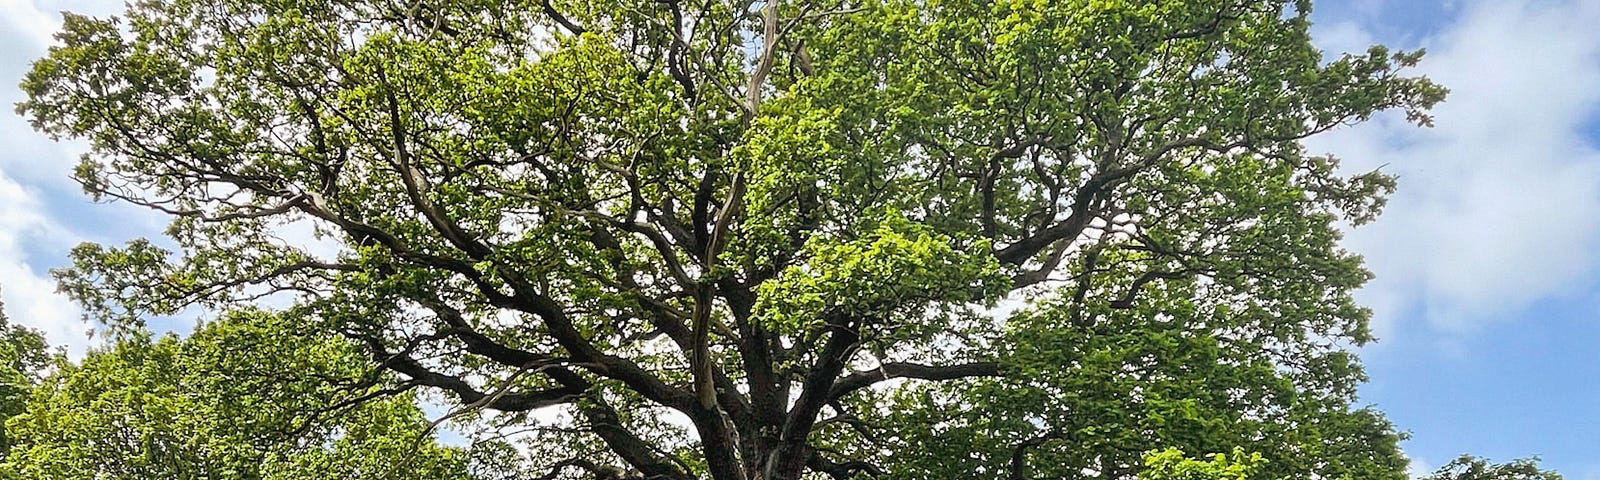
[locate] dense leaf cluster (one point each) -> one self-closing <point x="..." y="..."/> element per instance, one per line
<point x="241" y="398"/>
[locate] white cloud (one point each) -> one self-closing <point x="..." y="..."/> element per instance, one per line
<point x="1499" y="205"/>
<point x="1369" y="7"/>
<point x="34" y="173"/>
<point x="1344" y="37"/>
<point x="30" y="297"/>
<point x="28" y="22"/>
<point x="29" y="294"/>
<point x="1418" y="468"/>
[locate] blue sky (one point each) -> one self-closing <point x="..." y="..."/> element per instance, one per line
<point x="1486" y="298"/>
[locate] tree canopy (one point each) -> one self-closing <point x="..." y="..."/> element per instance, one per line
<point x="772" y="240"/>
<point x="1472" y="468"/>
<point x="1468" y="467"/>
<point x="238" y="399"/>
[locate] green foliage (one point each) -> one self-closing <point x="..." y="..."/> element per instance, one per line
<point x="891" y="275"/>
<point x="1468" y="467"/>
<point x="772" y="240"/>
<point x="24" y="358"/>
<point x="242" y="398"/>
<point x="1171" y="464"/>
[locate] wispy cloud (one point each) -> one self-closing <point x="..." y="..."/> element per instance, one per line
<point x="29" y="295"/>
<point x="1498" y="204"/>
<point x="1418" y="468"/>
<point x="42" y="215"/>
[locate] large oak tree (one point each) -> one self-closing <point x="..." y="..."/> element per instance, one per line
<point x="765" y="240"/>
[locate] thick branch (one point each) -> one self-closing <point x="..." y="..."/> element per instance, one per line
<point x="1019" y="455"/>
<point x="863" y="379"/>
<point x="843" y="471"/>
<point x="607" y="424"/>
<point x="509" y="402"/>
<point x="551" y="11"/>
<point x="600" y="472"/>
<point x="1022" y="250"/>
<point x="789" y="458"/>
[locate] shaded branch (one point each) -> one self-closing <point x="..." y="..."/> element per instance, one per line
<point x="858" y="380"/>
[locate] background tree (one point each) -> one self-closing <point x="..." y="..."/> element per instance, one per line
<point x="24" y="358"/>
<point x="1468" y="467"/>
<point x="761" y="240"/>
<point x="238" y="399"/>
